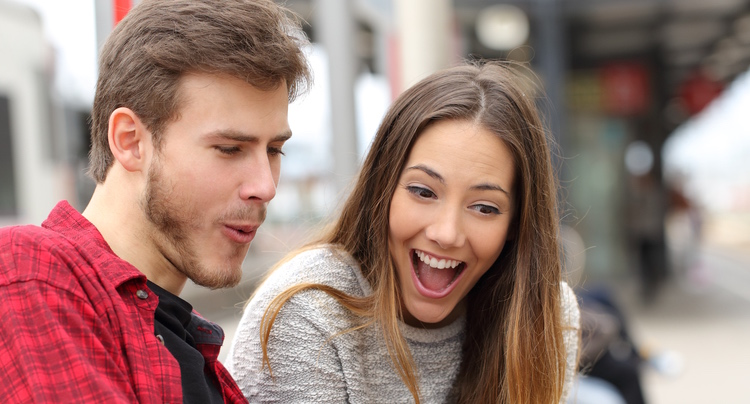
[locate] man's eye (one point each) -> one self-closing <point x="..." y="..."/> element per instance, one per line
<point x="275" y="151"/>
<point x="228" y="150"/>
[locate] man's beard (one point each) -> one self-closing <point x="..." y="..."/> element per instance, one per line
<point x="173" y="223"/>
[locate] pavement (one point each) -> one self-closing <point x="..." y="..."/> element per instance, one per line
<point x="701" y="317"/>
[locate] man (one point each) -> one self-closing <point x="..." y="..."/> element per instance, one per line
<point x="189" y="119"/>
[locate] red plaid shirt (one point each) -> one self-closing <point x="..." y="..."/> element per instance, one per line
<point x="77" y="322"/>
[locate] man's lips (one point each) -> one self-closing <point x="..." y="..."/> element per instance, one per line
<point x="240" y="233"/>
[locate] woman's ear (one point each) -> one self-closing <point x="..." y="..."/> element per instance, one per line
<point x="127" y="139"/>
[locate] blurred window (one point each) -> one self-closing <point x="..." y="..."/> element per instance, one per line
<point x="7" y="176"/>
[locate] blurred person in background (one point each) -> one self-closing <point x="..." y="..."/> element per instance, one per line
<point x="684" y="227"/>
<point x="645" y="229"/>
<point x="189" y="119"/>
<point x="441" y="280"/>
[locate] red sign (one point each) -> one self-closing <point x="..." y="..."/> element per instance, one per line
<point x="625" y="88"/>
<point x="698" y="91"/>
<point x="121" y="8"/>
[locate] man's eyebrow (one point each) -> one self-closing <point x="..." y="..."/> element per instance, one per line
<point x="482" y="187"/>
<point x="238" y="136"/>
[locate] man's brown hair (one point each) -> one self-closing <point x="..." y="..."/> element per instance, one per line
<point x="159" y="41"/>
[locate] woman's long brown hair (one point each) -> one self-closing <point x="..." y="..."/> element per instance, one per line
<point x="513" y="351"/>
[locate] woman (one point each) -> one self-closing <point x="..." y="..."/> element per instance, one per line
<point x="440" y="281"/>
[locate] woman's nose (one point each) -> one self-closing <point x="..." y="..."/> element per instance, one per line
<point x="447" y="228"/>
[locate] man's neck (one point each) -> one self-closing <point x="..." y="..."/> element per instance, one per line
<point x="123" y="225"/>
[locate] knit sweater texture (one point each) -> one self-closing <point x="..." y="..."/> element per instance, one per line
<point x="315" y="359"/>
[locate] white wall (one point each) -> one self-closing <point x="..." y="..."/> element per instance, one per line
<point x="25" y="70"/>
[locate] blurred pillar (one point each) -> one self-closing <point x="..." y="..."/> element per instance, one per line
<point x="108" y="13"/>
<point x="551" y="48"/>
<point x="335" y="30"/>
<point x="378" y="16"/>
<point x="103" y="10"/>
<point x="424" y="37"/>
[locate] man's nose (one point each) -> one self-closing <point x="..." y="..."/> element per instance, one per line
<point x="259" y="182"/>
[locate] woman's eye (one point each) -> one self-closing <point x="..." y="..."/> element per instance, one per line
<point x="486" y="209"/>
<point x="420" y="192"/>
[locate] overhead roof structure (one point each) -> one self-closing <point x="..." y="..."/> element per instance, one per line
<point x="677" y="37"/>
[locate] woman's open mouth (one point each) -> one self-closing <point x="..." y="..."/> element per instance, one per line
<point x="434" y="277"/>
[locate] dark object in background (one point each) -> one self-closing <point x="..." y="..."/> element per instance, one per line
<point x="607" y="350"/>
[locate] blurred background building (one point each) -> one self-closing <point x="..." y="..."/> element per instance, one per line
<point x="647" y="101"/>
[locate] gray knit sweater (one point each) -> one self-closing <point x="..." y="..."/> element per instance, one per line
<point x="315" y="361"/>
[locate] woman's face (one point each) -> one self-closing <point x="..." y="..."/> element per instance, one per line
<point x="449" y="218"/>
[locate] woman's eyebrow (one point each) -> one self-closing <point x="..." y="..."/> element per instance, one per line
<point x="427" y="170"/>
<point x="481" y="187"/>
<point x="490" y="187"/>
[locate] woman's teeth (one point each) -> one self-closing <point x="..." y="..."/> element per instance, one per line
<point x="435" y="263"/>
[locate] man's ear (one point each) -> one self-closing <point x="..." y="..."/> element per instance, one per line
<point x="128" y="139"/>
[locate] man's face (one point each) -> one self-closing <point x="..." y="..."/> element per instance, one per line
<point x="213" y="176"/>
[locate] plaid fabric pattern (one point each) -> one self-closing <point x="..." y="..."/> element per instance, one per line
<point x="77" y="322"/>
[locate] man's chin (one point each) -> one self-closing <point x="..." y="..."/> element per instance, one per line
<point x="219" y="280"/>
<point x="218" y="285"/>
